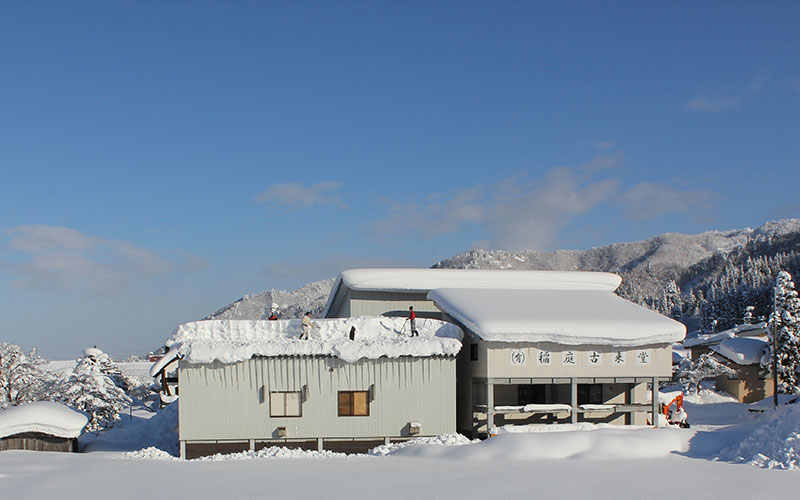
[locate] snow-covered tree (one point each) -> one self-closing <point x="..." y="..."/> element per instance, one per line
<point x="785" y="322"/>
<point x="748" y="314"/>
<point x="21" y="379"/>
<point x="90" y="389"/>
<point x="691" y="373"/>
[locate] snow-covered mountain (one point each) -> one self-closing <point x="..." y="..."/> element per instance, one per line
<point x="648" y="268"/>
<point x="311" y="297"/>
<point x="666" y="252"/>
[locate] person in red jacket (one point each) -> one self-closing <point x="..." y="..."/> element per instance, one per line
<point x="413" y="317"/>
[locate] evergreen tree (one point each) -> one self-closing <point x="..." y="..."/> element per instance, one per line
<point x="785" y="323"/>
<point x="90" y="389"/>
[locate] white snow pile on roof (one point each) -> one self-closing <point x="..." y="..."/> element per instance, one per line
<point x="570" y="317"/>
<point x="229" y="341"/>
<point x="742" y="350"/>
<point x="708" y="338"/>
<point x="424" y="280"/>
<point x="773" y="445"/>
<point x="42" y="416"/>
<point x="736" y="331"/>
<point x="558" y="441"/>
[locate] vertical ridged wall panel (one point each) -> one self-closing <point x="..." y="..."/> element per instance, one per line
<point x="231" y="401"/>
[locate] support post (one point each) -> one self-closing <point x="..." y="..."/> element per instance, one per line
<point x="183" y="450"/>
<point x="319" y="444"/>
<point x="252" y="443"/>
<point x="573" y="400"/>
<point x="387" y="441"/>
<point x="654" y="391"/>
<point x="489" y="407"/>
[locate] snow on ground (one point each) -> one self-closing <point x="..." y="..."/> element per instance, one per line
<point x="137" y="430"/>
<point x="774" y="444"/>
<point x="580" y="461"/>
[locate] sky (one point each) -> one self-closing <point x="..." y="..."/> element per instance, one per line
<point x="158" y="160"/>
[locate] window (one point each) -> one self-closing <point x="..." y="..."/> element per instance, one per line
<point x="591" y="394"/>
<point x="285" y="404"/>
<point x="473" y="352"/>
<point x="531" y="394"/>
<point x="353" y="403"/>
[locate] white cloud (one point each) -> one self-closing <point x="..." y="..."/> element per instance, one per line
<point x="647" y="200"/>
<point x="714" y="103"/>
<point x="65" y="259"/>
<point x="728" y="98"/>
<point x="296" y="195"/>
<point x="517" y="213"/>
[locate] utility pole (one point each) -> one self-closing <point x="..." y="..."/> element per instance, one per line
<point x="774" y="347"/>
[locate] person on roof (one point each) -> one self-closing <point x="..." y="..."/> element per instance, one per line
<point x="412" y="316"/>
<point x="307" y="325"/>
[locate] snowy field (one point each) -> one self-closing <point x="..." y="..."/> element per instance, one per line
<point x="728" y="453"/>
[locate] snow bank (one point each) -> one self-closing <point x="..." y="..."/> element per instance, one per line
<point x="545" y="442"/>
<point x="443" y="440"/>
<point x="272" y="452"/>
<point x="229" y="341"/>
<point x="775" y="444"/>
<point x="42" y="416"/>
<point x="571" y="317"/>
<point x="150" y="453"/>
<point x="741" y="350"/>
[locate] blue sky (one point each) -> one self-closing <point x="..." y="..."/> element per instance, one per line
<point x="160" y="159"/>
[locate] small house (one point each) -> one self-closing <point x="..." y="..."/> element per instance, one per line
<point x="354" y="384"/>
<point x="41" y="426"/>
<point x="540" y="346"/>
<point x="750" y="382"/>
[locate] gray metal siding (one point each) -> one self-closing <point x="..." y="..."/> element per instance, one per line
<point x="231" y="401"/>
<point x="390" y="303"/>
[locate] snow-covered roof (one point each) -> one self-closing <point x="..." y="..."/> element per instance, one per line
<point x="229" y="341"/>
<point x="42" y="416"/>
<point x="742" y="350"/>
<point x="705" y="339"/>
<point x="570" y="317"/>
<point x="425" y="280"/>
<point x="162" y="362"/>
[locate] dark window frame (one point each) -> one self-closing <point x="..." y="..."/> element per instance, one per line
<point x="473" y="352"/>
<point x="351" y="410"/>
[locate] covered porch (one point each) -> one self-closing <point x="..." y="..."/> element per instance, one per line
<point x="548" y="400"/>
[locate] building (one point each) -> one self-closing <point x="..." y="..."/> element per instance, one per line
<point x="540" y="346"/>
<point x="41" y="426"/>
<point x="355" y="384"/>
<point x="749" y="383"/>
